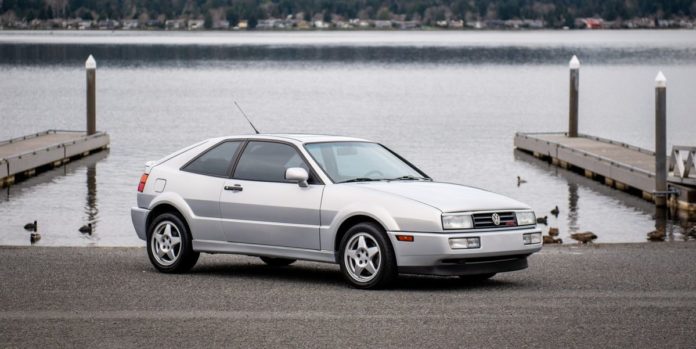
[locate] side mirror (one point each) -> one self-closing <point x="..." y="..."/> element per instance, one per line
<point x="297" y="174"/>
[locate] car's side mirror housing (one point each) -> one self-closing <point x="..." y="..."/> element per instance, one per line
<point x="297" y="174"/>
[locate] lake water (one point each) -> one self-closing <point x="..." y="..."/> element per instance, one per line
<point x="450" y="102"/>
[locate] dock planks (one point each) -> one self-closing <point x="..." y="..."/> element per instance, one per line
<point x="23" y="156"/>
<point x="620" y="165"/>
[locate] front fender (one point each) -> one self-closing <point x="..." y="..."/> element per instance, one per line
<point x="378" y="213"/>
<point x="394" y="213"/>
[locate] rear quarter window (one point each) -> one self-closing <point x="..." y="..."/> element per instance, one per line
<point x="214" y="162"/>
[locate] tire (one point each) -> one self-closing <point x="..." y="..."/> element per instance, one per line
<point x="366" y="257"/>
<point x="476" y="278"/>
<point x="169" y="244"/>
<point x="277" y="262"/>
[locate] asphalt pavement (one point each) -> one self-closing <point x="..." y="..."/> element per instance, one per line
<point x="628" y="295"/>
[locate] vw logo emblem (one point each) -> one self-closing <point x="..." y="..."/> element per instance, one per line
<point x="496" y="219"/>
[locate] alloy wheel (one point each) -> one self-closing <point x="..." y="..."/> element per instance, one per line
<point x="362" y="257"/>
<point x="166" y="243"/>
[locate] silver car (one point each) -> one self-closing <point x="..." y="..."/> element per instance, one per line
<point x="328" y="199"/>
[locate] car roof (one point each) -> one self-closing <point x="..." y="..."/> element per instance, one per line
<point x="299" y="138"/>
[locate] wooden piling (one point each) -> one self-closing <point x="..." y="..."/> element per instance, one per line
<point x="91" y="68"/>
<point x="574" y="91"/>
<point x="660" y="139"/>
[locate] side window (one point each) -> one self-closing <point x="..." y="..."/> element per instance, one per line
<point x="215" y="161"/>
<point x="267" y="161"/>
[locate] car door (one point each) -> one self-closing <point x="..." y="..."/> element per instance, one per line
<point x="259" y="206"/>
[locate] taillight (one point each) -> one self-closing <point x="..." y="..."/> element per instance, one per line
<point x="141" y="185"/>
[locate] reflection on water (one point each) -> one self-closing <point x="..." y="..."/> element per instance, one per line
<point x="91" y="207"/>
<point x="221" y="56"/>
<point x="309" y="48"/>
<point x="573" y="206"/>
<point x="677" y="227"/>
<point x="38" y="200"/>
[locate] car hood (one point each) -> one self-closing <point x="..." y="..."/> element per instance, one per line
<point x="447" y="197"/>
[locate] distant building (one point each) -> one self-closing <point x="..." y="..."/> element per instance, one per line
<point x="514" y="23"/>
<point x="383" y="25"/>
<point x="72" y="23"/>
<point x="153" y="23"/>
<point x="174" y="24"/>
<point x="666" y="23"/>
<point x="221" y="24"/>
<point x="243" y="24"/>
<point x="108" y="24"/>
<point x="495" y="24"/>
<point x="343" y="25"/>
<point x="130" y="24"/>
<point x="475" y="24"/>
<point x="589" y="23"/>
<point x="302" y="24"/>
<point x="406" y="25"/>
<point x="321" y="25"/>
<point x="456" y="24"/>
<point x="196" y="24"/>
<point x="534" y="23"/>
<point x="524" y="23"/>
<point x="274" y="23"/>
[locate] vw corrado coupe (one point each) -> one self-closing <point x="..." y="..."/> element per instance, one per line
<point x="327" y="199"/>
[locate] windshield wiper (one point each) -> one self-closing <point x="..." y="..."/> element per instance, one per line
<point x="360" y="179"/>
<point x="409" y="178"/>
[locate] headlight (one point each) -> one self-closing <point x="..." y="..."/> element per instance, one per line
<point x="526" y="218"/>
<point x="457" y="221"/>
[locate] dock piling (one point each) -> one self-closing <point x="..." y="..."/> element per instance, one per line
<point x="574" y="66"/>
<point x="91" y="68"/>
<point x="660" y="139"/>
<point x="26" y="156"/>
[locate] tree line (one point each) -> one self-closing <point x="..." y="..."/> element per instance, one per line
<point x="554" y="12"/>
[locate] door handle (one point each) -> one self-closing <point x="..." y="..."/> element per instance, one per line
<point x="235" y="187"/>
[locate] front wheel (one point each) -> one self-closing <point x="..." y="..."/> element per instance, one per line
<point x="169" y="244"/>
<point x="366" y="257"/>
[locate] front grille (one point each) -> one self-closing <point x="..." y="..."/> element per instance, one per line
<point x="485" y="220"/>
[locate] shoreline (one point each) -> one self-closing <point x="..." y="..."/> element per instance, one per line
<point x="341" y="30"/>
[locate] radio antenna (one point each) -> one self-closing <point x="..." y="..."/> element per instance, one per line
<point x="246" y="117"/>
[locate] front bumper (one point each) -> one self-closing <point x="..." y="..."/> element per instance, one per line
<point x="430" y="253"/>
<point x="139" y="218"/>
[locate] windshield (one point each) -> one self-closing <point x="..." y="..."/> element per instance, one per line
<point x="361" y="161"/>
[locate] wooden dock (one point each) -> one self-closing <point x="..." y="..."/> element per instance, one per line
<point x="619" y="165"/>
<point x="25" y="156"/>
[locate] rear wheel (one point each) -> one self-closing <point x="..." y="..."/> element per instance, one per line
<point x="169" y="244"/>
<point x="476" y="278"/>
<point x="366" y="257"/>
<point x="277" y="262"/>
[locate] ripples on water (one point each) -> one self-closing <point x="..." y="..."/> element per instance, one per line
<point x="449" y="102"/>
<point x="545" y="47"/>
